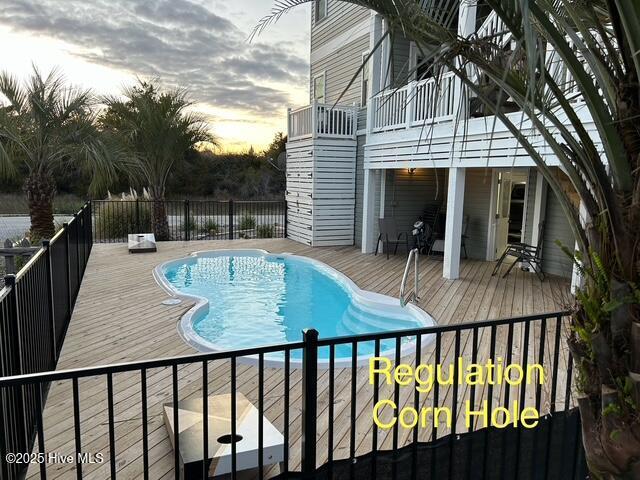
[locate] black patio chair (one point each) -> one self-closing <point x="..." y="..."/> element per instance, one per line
<point x="524" y="253"/>
<point x="465" y="226"/>
<point x="390" y="235"/>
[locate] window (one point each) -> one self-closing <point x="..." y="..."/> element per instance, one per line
<point x="364" y="81"/>
<point x="320" y="8"/>
<point x="319" y="88"/>
<point x="419" y="67"/>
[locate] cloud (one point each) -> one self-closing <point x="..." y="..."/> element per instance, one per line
<point x="181" y="41"/>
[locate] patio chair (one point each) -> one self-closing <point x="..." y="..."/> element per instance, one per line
<point x="465" y="225"/>
<point x="390" y="235"/>
<point x="524" y="253"/>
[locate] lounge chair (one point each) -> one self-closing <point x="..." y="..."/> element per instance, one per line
<point x="390" y="235"/>
<point x="524" y="253"/>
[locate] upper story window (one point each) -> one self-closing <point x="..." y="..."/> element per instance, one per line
<point x="364" y="82"/>
<point x="321" y="9"/>
<point x="319" y="88"/>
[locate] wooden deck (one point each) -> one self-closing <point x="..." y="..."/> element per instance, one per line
<point x="119" y="317"/>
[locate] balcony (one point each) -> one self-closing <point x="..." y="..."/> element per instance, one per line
<point x="322" y="120"/>
<point x="428" y="101"/>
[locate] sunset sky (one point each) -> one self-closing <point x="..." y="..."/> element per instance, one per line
<point x="243" y="88"/>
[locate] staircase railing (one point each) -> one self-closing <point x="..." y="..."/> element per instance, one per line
<point x="413" y="295"/>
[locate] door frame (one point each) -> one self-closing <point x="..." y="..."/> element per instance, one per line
<point x="491" y="224"/>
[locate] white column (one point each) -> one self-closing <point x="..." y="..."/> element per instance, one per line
<point x="369" y="217"/>
<point x="453" y="228"/>
<point x="467" y="17"/>
<point x="577" y="282"/>
<point x="375" y="62"/>
<point x="539" y="207"/>
<point x="383" y="192"/>
<point x="466" y="27"/>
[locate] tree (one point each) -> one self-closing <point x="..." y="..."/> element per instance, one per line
<point x="154" y="130"/>
<point x="46" y="127"/>
<point x="558" y="51"/>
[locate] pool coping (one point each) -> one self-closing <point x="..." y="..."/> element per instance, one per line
<point x="366" y="297"/>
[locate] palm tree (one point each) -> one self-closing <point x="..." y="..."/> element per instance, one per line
<point x="559" y="50"/>
<point x="45" y="127"/>
<point x="154" y="131"/>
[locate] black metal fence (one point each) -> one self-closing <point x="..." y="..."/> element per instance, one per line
<point x="323" y="410"/>
<point x="191" y="219"/>
<point x="35" y="309"/>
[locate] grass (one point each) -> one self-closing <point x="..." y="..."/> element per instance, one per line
<point x="117" y="219"/>
<point x="16" y="204"/>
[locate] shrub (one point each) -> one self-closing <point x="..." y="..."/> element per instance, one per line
<point x="265" y="231"/>
<point x="210" y="227"/>
<point x="115" y="220"/>
<point x="247" y="222"/>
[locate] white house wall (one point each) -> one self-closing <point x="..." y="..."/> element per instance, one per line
<point x="337" y="44"/>
<point x="341" y="19"/>
<point x="320" y="191"/>
<point x="477" y="205"/>
<point x="339" y="68"/>
<point x="530" y="205"/>
<point x="407" y="194"/>
<point x="483" y="145"/>
<point x="554" y="260"/>
<point x="359" y="193"/>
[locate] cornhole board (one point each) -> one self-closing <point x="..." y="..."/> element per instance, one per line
<point x="142" y="242"/>
<point x="218" y="457"/>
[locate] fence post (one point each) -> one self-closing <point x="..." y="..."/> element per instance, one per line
<point x="309" y="401"/>
<point x="286" y="218"/>
<point x="138" y="216"/>
<point x="9" y="260"/>
<point x="14" y="337"/>
<point x="410" y="105"/>
<point x="314" y="119"/>
<point x="230" y="219"/>
<point x="46" y="245"/>
<point x="65" y="227"/>
<point x="186" y="220"/>
<point x="78" y="274"/>
<point x="90" y="227"/>
<point x="18" y="419"/>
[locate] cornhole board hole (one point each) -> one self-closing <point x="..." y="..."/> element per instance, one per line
<point x="218" y="458"/>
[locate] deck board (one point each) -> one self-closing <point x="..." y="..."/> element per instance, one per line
<point x="119" y="317"/>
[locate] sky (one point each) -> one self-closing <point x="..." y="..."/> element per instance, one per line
<point x="243" y="88"/>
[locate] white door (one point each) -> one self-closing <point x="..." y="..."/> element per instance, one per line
<point x="501" y="219"/>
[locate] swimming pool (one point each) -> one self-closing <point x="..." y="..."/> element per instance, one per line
<point x="248" y="298"/>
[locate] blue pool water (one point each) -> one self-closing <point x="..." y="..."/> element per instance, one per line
<point x="260" y="299"/>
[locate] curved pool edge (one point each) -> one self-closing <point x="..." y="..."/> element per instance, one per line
<point x="190" y="337"/>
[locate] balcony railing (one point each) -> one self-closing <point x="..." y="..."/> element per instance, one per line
<point x="322" y="120"/>
<point x="428" y="101"/>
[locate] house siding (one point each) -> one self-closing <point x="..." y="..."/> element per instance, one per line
<point x="530" y="205"/>
<point x="359" y="193"/>
<point x="554" y="260"/>
<point x="339" y="68"/>
<point x="477" y="203"/>
<point x="408" y="193"/>
<point x="400" y="61"/>
<point x="341" y="17"/>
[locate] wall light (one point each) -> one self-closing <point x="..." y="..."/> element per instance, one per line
<point x="411" y="171"/>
